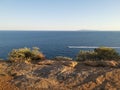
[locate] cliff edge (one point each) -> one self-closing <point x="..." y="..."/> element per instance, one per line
<point x="60" y="75"/>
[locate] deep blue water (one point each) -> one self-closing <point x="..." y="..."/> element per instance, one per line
<point x="55" y="43"/>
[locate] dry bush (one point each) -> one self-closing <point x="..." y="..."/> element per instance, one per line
<point x="26" y="55"/>
<point x="106" y="53"/>
<point x="102" y="53"/>
<point x="86" y="55"/>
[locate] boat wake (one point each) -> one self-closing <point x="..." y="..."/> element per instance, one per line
<point x="90" y="47"/>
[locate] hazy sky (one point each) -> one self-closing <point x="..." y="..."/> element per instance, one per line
<point x="59" y="14"/>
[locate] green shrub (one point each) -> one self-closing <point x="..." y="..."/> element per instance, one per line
<point x="25" y="54"/>
<point x="62" y="58"/>
<point x="86" y="55"/>
<point x="106" y="53"/>
<point x="101" y="53"/>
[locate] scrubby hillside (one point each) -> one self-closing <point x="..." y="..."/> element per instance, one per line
<point x="27" y="69"/>
<point x="60" y="75"/>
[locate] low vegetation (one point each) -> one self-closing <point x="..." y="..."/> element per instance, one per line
<point x="102" y="53"/>
<point x="98" y="70"/>
<point x="26" y="54"/>
<point x="102" y="56"/>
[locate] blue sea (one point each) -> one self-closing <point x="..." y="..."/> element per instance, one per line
<point x="55" y="43"/>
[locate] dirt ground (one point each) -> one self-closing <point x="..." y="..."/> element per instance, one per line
<point x="59" y="75"/>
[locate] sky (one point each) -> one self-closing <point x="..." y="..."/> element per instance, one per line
<point x="60" y="15"/>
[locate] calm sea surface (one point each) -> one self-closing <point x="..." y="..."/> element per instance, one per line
<point x="53" y="43"/>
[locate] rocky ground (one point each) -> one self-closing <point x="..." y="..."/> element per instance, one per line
<point x="60" y="75"/>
